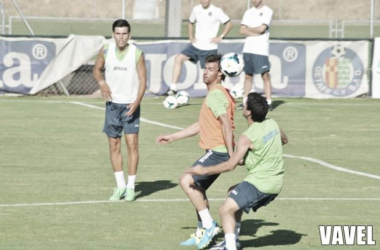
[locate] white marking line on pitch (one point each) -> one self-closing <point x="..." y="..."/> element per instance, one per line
<point x="322" y="163"/>
<point x="173" y="200"/>
<point x="328" y="165"/>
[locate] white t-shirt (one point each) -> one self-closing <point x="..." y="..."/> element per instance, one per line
<point x="207" y="23"/>
<point x="253" y="17"/>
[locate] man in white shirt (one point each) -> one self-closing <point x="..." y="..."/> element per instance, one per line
<point x="255" y="26"/>
<point x="207" y="19"/>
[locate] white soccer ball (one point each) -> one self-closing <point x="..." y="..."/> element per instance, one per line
<point x="231" y="64"/>
<point x="183" y="98"/>
<point x="237" y="91"/>
<point x="338" y="51"/>
<point x="170" y="102"/>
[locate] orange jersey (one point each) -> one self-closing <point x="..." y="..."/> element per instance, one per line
<point x="211" y="134"/>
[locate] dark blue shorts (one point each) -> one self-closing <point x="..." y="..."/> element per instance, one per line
<point x="208" y="159"/>
<point x="248" y="197"/>
<point x="255" y="64"/>
<point x="116" y="121"/>
<point x="196" y="54"/>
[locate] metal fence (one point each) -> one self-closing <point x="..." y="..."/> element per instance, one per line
<point x="153" y="19"/>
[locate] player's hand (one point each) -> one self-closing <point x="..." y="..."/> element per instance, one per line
<point x="132" y="108"/>
<point x="216" y="39"/>
<point x="163" y="139"/>
<point x="105" y="90"/>
<point x="196" y="170"/>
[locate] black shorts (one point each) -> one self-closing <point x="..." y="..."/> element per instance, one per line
<point x="116" y="121"/>
<point x="248" y="197"/>
<point x="196" y="54"/>
<point x="210" y="158"/>
<point x="255" y="64"/>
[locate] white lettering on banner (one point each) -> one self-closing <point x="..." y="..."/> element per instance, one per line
<point x="290" y="54"/>
<point x="276" y="73"/>
<point x="155" y="71"/>
<point x="39" y="51"/>
<point x="199" y="85"/>
<point x="23" y="70"/>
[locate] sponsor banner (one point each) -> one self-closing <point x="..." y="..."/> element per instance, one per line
<point x="28" y="65"/>
<point x="319" y="69"/>
<point x="313" y="69"/>
<point x="376" y="69"/>
<point x="288" y="62"/>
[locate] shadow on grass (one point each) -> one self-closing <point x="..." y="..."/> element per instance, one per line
<point x="275" y="104"/>
<point x="278" y="237"/>
<point x="149" y="187"/>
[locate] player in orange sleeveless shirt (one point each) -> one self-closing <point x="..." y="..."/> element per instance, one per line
<point x="215" y="127"/>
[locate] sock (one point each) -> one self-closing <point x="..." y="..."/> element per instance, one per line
<point x="269" y="101"/>
<point x="199" y="229"/>
<point x="230" y="241"/>
<point x="245" y="100"/>
<point x="206" y="218"/>
<point x="237" y="229"/>
<point x="173" y="86"/>
<point x="120" y="181"/>
<point x="131" y="181"/>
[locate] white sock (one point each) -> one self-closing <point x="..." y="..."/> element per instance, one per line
<point x="120" y="180"/>
<point x="173" y="86"/>
<point x="206" y="218"/>
<point x="230" y="241"/>
<point x="269" y="101"/>
<point x="245" y="100"/>
<point x="131" y="181"/>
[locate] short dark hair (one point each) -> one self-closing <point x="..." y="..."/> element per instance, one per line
<point x="258" y="106"/>
<point x="121" y="23"/>
<point x="215" y="58"/>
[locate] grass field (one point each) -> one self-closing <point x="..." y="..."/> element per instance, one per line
<point x="56" y="178"/>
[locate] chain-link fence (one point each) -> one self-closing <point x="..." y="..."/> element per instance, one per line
<point x="292" y="18"/>
<point x="150" y="19"/>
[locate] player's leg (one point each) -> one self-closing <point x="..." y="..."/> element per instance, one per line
<point x="267" y="88"/>
<point x="228" y="215"/>
<point x="189" y="53"/>
<point x="131" y="126"/>
<point x="113" y="129"/>
<point x="248" y="79"/>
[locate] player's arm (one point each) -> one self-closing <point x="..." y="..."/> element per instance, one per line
<point x="244" y="144"/>
<point x="141" y="73"/>
<point x="227" y="27"/>
<point x="97" y="73"/>
<point x="191" y="32"/>
<point x="284" y="138"/>
<point x="187" y="132"/>
<point x="227" y="132"/>
<point x="253" y="31"/>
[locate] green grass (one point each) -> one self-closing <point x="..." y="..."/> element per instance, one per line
<point x="52" y="151"/>
<point x="155" y="29"/>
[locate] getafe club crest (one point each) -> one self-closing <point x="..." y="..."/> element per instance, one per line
<point x="338" y="71"/>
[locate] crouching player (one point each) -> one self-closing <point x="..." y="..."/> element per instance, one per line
<point x="261" y="148"/>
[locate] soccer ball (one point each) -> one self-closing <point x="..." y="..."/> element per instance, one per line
<point x="183" y="98"/>
<point x="237" y="91"/>
<point x="170" y="102"/>
<point x="231" y="64"/>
